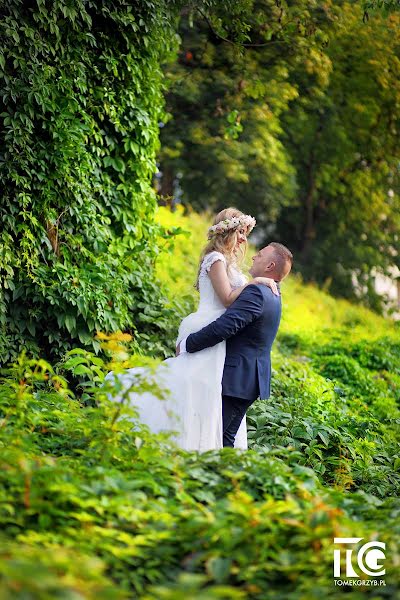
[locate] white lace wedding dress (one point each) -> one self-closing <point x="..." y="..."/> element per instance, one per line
<point x="193" y="406"/>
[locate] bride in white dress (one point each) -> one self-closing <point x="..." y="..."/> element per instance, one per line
<point x="192" y="408"/>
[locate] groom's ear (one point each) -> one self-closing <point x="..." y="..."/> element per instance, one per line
<point x="271" y="266"/>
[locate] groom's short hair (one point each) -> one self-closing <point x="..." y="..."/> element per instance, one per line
<point x="283" y="256"/>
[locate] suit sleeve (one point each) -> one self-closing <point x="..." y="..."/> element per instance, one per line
<point x="246" y="308"/>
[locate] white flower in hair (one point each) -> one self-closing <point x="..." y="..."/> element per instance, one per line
<point x="232" y="223"/>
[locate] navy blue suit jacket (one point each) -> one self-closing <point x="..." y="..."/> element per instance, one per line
<point x="249" y="327"/>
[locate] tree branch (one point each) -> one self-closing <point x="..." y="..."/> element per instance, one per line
<point x="224" y="39"/>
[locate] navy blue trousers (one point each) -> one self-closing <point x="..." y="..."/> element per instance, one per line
<point x="233" y="411"/>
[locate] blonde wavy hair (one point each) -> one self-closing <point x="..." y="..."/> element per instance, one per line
<point x="224" y="242"/>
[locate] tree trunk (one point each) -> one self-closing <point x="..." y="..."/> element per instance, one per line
<point x="167" y="187"/>
<point x="309" y="225"/>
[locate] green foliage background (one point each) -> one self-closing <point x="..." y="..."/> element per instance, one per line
<point x="91" y="504"/>
<point x="83" y="483"/>
<point x="82" y="98"/>
<point x="299" y="128"/>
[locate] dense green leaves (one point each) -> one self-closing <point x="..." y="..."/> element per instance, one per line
<point x="342" y="137"/>
<point x="300" y="129"/>
<point x="223" y="141"/>
<point x="82" y="98"/>
<point x="91" y="504"/>
<point x="345" y="423"/>
<point x="82" y="483"/>
<point x="90" y="486"/>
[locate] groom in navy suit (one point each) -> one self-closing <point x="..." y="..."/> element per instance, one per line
<point x="249" y="327"/>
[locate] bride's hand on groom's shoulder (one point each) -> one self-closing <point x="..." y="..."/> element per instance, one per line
<point x="271" y="283"/>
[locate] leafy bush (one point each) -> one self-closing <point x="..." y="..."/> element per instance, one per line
<point x="82" y="482"/>
<point x="346" y="429"/>
<point x="53" y="573"/>
<point x="346" y="370"/>
<point x="382" y="355"/>
<point x="82" y="95"/>
<point x="90" y="483"/>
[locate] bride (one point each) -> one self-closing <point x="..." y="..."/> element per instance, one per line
<point x="192" y="408"/>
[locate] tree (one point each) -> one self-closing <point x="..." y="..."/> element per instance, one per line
<point x="82" y="92"/>
<point x="298" y="127"/>
<point x="82" y="96"/>
<point x="341" y="133"/>
<point x="226" y="102"/>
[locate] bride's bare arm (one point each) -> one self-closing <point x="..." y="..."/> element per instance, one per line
<point x="222" y="286"/>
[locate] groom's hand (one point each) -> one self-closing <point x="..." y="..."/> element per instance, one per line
<point x="178" y="349"/>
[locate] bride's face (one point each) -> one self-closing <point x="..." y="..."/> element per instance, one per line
<point x="241" y="236"/>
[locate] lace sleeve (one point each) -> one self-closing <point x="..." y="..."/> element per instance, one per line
<point x="209" y="260"/>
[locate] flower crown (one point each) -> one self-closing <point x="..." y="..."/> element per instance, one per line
<point x="232" y="223"/>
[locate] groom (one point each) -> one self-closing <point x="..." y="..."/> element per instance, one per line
<point x="249" y="327"/>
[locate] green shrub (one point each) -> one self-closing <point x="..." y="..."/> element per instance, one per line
<point x="382" y="355"/>
<point x="83" y="482"/>
<point x="82" y="100"/>
<point x="52" y="573"/>
<point x="87" y="483"/>
<point x="349" y="439"/>
<point x="346" y="370"/>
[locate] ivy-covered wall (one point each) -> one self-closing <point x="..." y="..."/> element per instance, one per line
<point x="82" y="99"/>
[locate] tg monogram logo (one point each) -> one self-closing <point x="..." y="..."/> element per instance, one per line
<point x="368" y="558"/>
